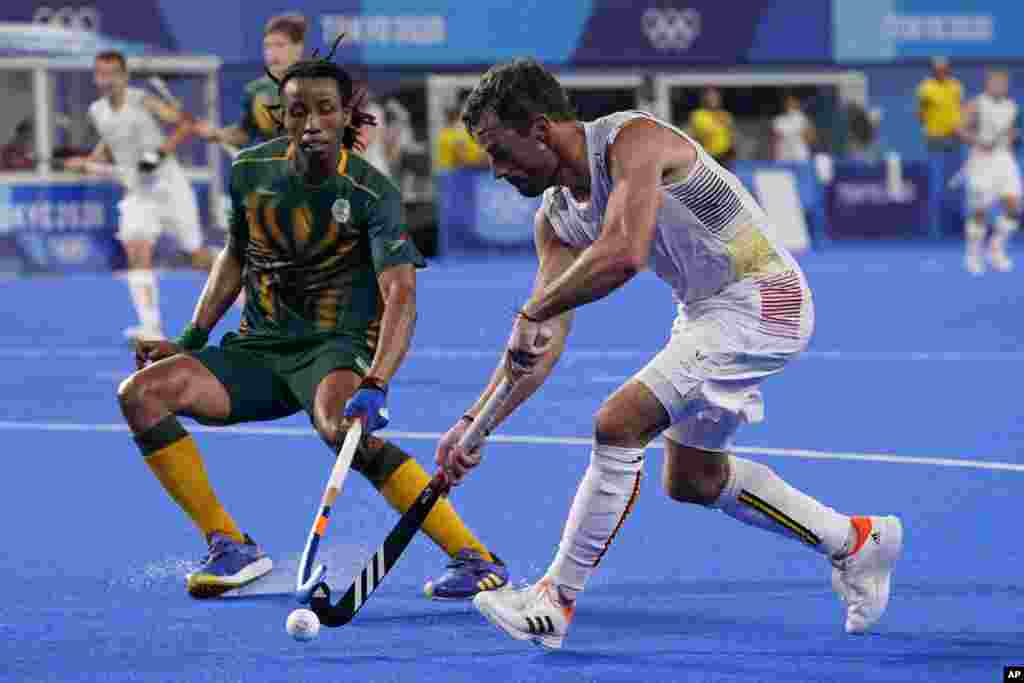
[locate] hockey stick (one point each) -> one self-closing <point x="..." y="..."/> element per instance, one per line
<point x="387" y="554"/>
<point x="308" y="578"/>
<point x="98" y="169"/>
<point x="160" y="85"/>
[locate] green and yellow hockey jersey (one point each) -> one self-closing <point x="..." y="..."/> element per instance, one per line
<point x="258" y="101"/>
<point x="312" y="254"/>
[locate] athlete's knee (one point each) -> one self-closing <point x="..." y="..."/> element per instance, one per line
<point x="333" y="432"/>
<point x="144" y="390"/>
<point x="129" y="394"/>
<point x="613" y="427"/>
<point x="695" y="476"/>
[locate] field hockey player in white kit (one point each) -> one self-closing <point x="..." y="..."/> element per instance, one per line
<point x="625" y="193"/>
<point x="992" y="173"/>
<point x="158" y="196"/>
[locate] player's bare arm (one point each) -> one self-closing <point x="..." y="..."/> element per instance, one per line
<point x="968" y="123"/>
<point x="810" y="133"/>
<point x="398" y="290"/>
<point x="641" y="155"/>
<point x="223" y="285"/>
<point x="165" y="112"/>
<point x="221" y="290"/>
<point x="556" y="258"/>
<point x="232" y="135"/>
<point x="92" y="162"/>
<point x="101" y="152"/>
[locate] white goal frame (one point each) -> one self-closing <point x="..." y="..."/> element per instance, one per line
<point x="42" y="70"/>
<point x="441" y="88"/>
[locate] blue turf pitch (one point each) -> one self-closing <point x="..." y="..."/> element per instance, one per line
<point x="912" y="358"/>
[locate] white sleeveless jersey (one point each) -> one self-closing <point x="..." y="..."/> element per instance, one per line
<point x="995" y="118"/>
<point x="710" y="230"/>
<point x="129" y="132"/>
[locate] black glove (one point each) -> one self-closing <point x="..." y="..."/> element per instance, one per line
<point x="150" y="160"/>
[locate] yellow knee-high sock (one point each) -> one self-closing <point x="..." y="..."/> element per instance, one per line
<point x="443" y="525"/>
<point x="173" y="456"/>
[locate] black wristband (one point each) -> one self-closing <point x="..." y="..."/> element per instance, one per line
<point x="192" y="338"/>
<point x="373" y="383"/>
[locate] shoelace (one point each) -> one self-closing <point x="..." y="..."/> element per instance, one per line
<point x="460" y="561"/>
<point x="539" y="596"/>
<point x="217" y="549"/>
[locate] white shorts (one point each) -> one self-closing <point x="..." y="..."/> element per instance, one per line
<point x="708" y="376"/>
<point x="991" y="176"/>
<point x="169" y="204"/>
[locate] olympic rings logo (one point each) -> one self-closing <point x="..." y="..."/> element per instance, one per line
<point x="71" y="18"/>
<point x="671" y="28"/>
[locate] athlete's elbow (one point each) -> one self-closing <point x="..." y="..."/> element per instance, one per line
<point x="631" y="258"/>
<point x="623" y="264"/>
<point x="629" y="268"/>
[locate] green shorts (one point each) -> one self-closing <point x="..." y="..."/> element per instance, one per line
<point x="269" y="378"/>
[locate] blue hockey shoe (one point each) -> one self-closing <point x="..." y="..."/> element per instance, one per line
<point x="228" y="565"/>
<point x="468" y="573"/>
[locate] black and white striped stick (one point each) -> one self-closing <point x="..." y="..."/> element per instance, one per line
<point x="396" y="542"/>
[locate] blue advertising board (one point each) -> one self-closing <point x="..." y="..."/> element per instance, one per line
<point x="443" y="32"/>
<point x="887" y="30"/>
<point x="583" y="32"/>
<point x="66" y="227"/>
<point x="477" y="214"/>
<point x="862" y="204"/>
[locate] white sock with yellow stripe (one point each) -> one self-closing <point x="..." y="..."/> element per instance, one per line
<point x="757" y="496"/>
<point x="603" y="500"/>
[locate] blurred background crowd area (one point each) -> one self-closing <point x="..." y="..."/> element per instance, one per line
<point x="867" y="92"/>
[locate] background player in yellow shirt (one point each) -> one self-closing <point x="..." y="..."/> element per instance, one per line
<point x="318" y="240"/>
<point x="456" y="148"/>
<point x="712" y="126"/>
<point x="939" y="100"/>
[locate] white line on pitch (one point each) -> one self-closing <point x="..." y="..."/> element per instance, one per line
<point x="529" y="439"/>
<point x="118" y="375"/>
<point x="571" y="355"/>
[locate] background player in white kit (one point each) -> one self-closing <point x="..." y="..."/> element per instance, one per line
<point x="622" y="194"/>
<point x="992" y="173"/>
<point x="792" y="132"/>
<point x="157" y="195"/>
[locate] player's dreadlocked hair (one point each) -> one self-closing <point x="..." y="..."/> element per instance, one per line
<point x="353" y="96"/>
<point x="515" y="92"/>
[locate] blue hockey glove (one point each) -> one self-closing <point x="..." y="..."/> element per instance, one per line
<point x="370" y="401"/>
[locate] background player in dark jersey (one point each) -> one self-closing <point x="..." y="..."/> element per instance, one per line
<point x="284" y="39"/>
<point x="331" y="280"/>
